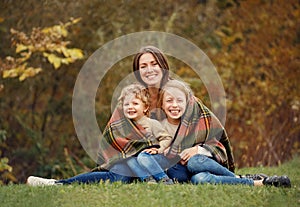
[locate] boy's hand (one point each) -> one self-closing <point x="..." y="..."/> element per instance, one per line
<point x="152" y="151"/>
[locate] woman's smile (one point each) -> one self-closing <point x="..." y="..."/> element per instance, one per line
<point x="151" y="76"/>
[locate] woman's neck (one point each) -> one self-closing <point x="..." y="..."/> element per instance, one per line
<point x="154" y="97"/>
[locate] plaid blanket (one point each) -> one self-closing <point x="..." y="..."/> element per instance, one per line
<point x="122" y="139"/>
<point x="199" y="126"/>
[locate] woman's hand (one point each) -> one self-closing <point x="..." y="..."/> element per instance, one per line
<point x="187" y="154"/>
<point x="152" y="151"/>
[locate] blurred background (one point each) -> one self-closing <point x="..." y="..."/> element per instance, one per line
<point x="254" y="45"/>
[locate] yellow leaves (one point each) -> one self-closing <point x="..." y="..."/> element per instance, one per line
<point x="71" y="55"/>
<point x="58" y="29"/>
<point x="29" y="72"/>
<point x="20" y="48"/>
<point x="12" y="73"/>
<point x="21" y="71"/>
<point x="25" y="52"/>
<point x="48" y="42"/>
<point x="53" y="59"/>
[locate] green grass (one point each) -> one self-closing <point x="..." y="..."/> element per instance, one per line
<point x="123" y="195"/>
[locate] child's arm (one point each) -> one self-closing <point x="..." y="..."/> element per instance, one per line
<point x="162" y="136"/>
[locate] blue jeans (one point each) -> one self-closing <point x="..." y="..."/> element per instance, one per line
<point x="119" y="172"/>
<point x="138" y="170"/>
<point x="179" y="173"/>
<point x="153" y="164"/>
<point x="207" y="170"/>
<point x="156" y="164"/>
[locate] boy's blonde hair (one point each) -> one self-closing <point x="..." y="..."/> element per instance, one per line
<point x="139" y="91"/>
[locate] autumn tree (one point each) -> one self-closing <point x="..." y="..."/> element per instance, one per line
<point x="43" y="44"/>
<point x="259" y="64"/>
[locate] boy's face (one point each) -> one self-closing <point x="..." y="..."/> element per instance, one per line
<point x="174" y="104"/>
<point x="133" y="107"/>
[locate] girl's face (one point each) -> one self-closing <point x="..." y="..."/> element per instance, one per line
<point x="150" y="71"/>
<point x="133" y="107"/>
<point x="174" y="104"/>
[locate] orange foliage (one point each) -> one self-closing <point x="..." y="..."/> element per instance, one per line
<point x="259" y="62"/>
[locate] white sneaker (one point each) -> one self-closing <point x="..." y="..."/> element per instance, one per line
<point x="37" y="181"/>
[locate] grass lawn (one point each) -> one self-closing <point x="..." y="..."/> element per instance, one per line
<point x="140" y="194"/>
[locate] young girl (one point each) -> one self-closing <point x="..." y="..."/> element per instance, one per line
<point x="200" y="159"/>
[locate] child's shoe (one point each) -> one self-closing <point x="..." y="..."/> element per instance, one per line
<point x="166" y="181"/>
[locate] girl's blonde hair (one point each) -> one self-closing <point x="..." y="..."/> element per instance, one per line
<point x="139" y="91"/>
<point x="182" y="86"/>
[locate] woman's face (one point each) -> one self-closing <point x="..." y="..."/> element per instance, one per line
<point x="174" y="104"/>
<point x="150" y="71"/>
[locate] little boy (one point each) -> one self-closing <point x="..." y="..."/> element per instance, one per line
<point x="135" y="102"/>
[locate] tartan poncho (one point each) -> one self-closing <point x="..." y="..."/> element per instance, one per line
<point x="199" y="126"/>
<point x="122" y="138"/>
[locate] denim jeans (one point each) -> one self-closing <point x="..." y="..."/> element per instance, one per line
<point x="207" y="170"/>
<point x="119" y="172"/>
<point x="179" y="173"/>
<point x="138" y="170"/>
<point x="154" y="164"/>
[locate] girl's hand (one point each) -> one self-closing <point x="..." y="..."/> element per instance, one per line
<point x="152" y="151"/>
<point x="187" y="154"/>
